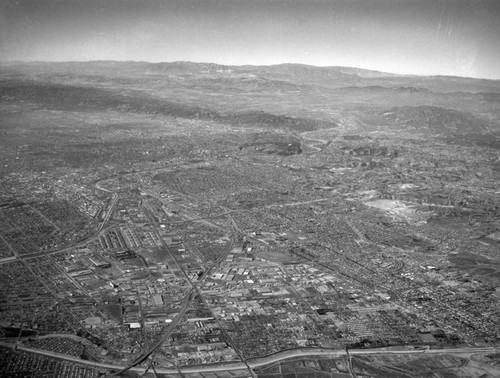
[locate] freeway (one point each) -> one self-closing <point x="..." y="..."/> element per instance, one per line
<point x="152" y="349"/>
<point x="185" y="306"/>
<point x="262" y="361"/>
<point x="193" y="292"/>
<point x="109" y="212"/>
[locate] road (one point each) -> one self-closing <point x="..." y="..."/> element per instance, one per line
<point x="247" y="365"/>
<point x="193" y="292"/>
<point x="151" y="350"/>
<point x="323" y="143"/>
<point x="185" y="306"/>
<point x="109" y="212"/>
<point x="263" y="361"/>
<point x="349" y="363"/>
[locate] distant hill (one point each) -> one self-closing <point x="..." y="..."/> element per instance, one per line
<point x="294" y="97"/>
<point x="299" y="73"/>
<point x="55" y="96"/>
<point x="434" y="119"/>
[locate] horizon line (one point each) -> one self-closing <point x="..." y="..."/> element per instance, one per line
<point x="8" y="62"/>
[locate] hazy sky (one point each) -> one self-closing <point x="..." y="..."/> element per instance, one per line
<point x="450" y="37"/>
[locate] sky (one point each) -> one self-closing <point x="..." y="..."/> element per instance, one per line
<point x="422" y="37"/>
